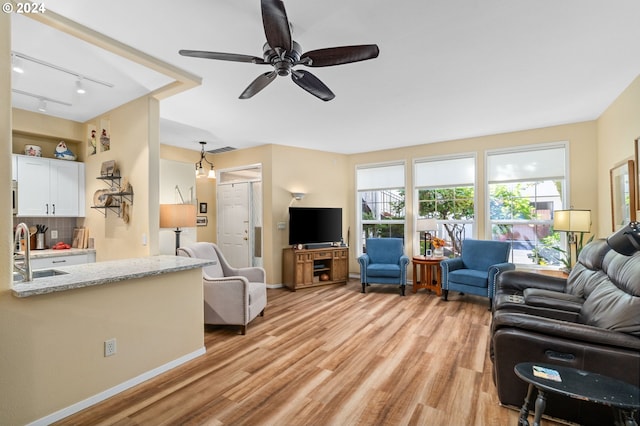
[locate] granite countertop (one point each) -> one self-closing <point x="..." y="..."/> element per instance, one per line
<point x="40" y="254"/>
<point x="100" y="273"/>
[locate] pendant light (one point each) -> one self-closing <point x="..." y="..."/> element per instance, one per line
<point x="200" y="171"/>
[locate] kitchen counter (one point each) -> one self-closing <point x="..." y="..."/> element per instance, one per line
<point x="41" y="254"/>
<point x="101" y="273"/>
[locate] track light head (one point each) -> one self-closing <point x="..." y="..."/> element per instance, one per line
<point x="80" y="87"/>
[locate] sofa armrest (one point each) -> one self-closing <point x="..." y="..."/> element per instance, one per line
<point x="403" y="261"/>
<point x="565" y="330"/>
<point x="254" y="274"/>
<point x="517" y="281"/>
<point x="363" y="259"/>
<point x="452" y="264"/>
<point x="553" y="300"/>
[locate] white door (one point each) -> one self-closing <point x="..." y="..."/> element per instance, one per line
<point x="233" y="223"/>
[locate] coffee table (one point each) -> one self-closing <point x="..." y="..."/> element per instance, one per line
<point x="425" y="265"/>
<point x="622" y="397"/>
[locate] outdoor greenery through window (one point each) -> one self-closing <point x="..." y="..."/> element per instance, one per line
<point x="525" y="188"/>
<point x="446" y="192"/>
<point x="453" y="208"/>
<point x="381" y="197"/>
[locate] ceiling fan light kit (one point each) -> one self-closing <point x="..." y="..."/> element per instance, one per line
<point x="283" y="53"/>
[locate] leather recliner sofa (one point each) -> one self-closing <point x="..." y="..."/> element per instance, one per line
<point x="589" y="321"/>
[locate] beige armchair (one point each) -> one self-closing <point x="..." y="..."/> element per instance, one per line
<point x="231" y="295"/>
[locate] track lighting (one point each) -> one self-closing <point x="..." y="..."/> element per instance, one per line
<point x="42" y="105"/>
<point x="16" y="64"/>
<point x="80" y="87"/>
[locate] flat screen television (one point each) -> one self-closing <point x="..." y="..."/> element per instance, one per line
<point x="313" y="225"/>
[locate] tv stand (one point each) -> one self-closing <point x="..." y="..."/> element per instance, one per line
<point x="314" y="267"/>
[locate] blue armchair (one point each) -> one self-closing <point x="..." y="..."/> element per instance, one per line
<point x="384" y="263"/>
<point x="476" y="270"/>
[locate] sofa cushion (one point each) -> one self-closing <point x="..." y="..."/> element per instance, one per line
<point x="470" y="277"/>
<point x="383" y="270"/>
<point x="614" y="303"/>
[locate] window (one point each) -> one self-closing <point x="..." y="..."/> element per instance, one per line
<point x="524" y="188"/>
<point x="445" y="191"/>
<point x="381" y="202"/>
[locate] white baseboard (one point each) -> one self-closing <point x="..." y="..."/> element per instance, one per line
<point x="78" y="406"/>
<point x="274" y="286"/>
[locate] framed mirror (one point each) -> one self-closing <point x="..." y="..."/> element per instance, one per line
<point x="623" y="194"/>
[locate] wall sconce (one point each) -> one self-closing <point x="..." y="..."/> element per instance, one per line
<point x="200" y="172"/>
<point x="572" y="221"/>
<point x="298" y="195"/>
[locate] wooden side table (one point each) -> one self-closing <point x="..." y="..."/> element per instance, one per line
<point x="623" y="397"/>
<point x="426" y="279"/>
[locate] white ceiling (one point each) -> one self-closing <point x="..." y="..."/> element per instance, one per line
<point x="447" y="69"/>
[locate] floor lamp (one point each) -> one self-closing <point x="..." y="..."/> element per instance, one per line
<point x="177" y="216"/>
<point x="572" y="222"/>
<point x="426" y="225"/>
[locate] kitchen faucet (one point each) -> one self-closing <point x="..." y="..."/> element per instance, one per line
<point x="25" y="270"/>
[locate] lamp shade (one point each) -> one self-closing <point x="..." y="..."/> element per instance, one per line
<point x="572" y="220"/>
<point x="427" y="225"/>
<point x="177" y="215"/>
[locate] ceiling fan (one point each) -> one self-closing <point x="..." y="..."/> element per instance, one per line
<point x="283" y="53"/>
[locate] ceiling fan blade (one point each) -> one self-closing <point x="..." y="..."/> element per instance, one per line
<point x="222" y="56"/>
<point x="312" y="84"/>
<point x="258" y="84"/>
<point x="339" y="55"/>
<point x="276" y="24"/>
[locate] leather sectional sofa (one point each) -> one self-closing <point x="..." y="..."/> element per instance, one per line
<point x="589" y="321"/>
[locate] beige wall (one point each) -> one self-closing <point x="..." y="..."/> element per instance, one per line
<point x="52" y="350"/>
<point x="205" y="188"/>
<point x="618" y="127"/>
<point x="136" y="151"/>
<point x="582" y="146"/>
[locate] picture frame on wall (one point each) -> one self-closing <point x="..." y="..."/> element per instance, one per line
<point x="623" y="194"/>
<point x="105" y="135"/>
<point x="92" y="140"/>
<point x="108" y="168"/>
<point x="637" y="164"/>
<point x="203" y="208"/>
<point x="201" y="221"/>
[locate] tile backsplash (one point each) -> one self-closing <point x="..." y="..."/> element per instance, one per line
<point x="64" y="226"/>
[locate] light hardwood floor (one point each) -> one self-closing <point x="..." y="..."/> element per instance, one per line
<point x="330" y="356"/>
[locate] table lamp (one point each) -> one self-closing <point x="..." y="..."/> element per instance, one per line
<point x="572" y="221"/>
<point x="426" y="225"/>
<point x="177" y="216"/>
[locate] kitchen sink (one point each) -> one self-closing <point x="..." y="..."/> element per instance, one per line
<point x="40" y="273"/>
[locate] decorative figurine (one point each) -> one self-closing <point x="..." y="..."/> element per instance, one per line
<point x="64" y="153"/>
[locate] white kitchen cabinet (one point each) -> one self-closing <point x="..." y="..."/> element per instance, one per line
<point x="50" y="187"/>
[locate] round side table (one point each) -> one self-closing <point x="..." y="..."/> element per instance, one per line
<point x="427" y="279"/>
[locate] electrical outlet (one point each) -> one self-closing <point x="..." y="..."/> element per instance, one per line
<point x="54" y="234"/>
<point x="109" y="347"/>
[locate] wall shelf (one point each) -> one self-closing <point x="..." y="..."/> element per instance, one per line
<point x="116" y="197"/>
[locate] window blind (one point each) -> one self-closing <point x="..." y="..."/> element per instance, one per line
<point x="445" y="172"/>
<point x="540" y="164"/>
<point x="380" y="177"/>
